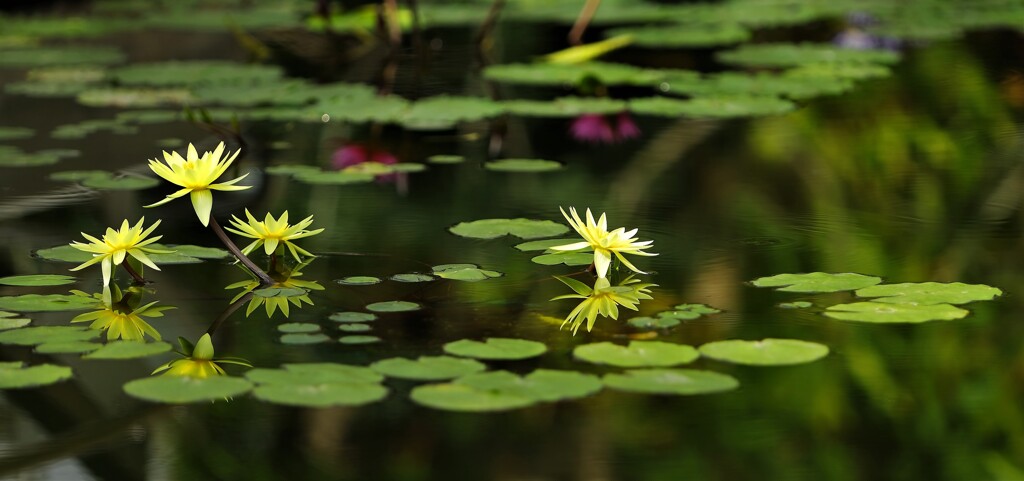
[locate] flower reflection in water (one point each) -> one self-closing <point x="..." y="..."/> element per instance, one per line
<point x="290" y="290"/>
<point x="120" y="314"/>
<point x="197" y="361"/>
<point x="603" y="299"/>
<point x="604" y="129"/>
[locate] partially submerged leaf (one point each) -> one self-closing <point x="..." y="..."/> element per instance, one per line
<point x="565" y="106"/>
<point x="412" y="278"/>
<point x="685" y="35"/>
<point x="358" y="339"/>
<point x="460" y="397"/>
<point x="540" y="385"/>
<point x="712" y="107"/>
<point x="352" y="317"/>
<point x="358" y="280"/>
<point x="464" y="272"/>
<point x="561" y="74"/>
<point x="321" y="395"/>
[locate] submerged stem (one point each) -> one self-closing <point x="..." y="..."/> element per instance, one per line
<point x="263" y="277"/>
<point x="138" y="280"/>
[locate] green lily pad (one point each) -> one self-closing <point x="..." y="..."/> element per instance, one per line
<point x="459" y="397"/>
<point x="446" y="159"/>
<point x="496" y="348"/>
<point x="67" y="253"/>
<point x="124" y="182"/>
<point x="928" y="293"/>
<point x="387" y="108"/>
<point x="464" y="272"/>
<point x="795" y="305"/>
<point x="670" y="381"/>
<point x="567" y="258"/>
<point x="792" y="55"/>
<point x="37" y="280"/>
<point x="134" y="97"/>
<point x="85" y="128"/>
<point x="352" y="317"/>
<point x="198" y="252"/>
<point x="77" y="175"/>
<point x="315" y="373"/>
<point x="46" y="302"/>
<point x="883" y="312"/>
<point x="60" y="55"/>
<point x="637" y="354"/>
<point x="767" y="352"/>
<point x="575" y="74"/>
<point x="13" y="377"/>
<point x="846" y="71"/>
<point x="427" y="368"/>
<point x="304" y="338"/>
<point x="817" y="282"/>
<point x="523" y="165"/>
<point x="684" y="36"/>
<point x="393" y="306"/>
<point x="445" y="111"/>
<point x="13" y="323"/>
<point x="14" y="157"/>
<point x="358" y="339"/>
<point x="412" y="277"/>
<point x="354" y="327"/>
<point x="70" y="347"/>
<point x="653" y="322"/>
<point x="128" y="350"/>
<point x="761" y="84"/>
<point x="30" y="336"/>
<point x="540" y="385"/>
<point x="183" y="389"/>
<point x="298" y="327"/>
<point x="14" y="133"/>
<point x="565" y="107"/>
<point x="358" y="281"/>
<point x="688" y="311"/>
<point x="194" y="72"/>
<point x="321" y="395"/>
<point x="711" y="107"/>
<point x="494" y="228"/>
<point x="543" y="244"/>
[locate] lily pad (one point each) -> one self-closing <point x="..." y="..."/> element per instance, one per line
<point x="358" y="281"/>
<point x="459" y="397"/>
<point x="792" y="55"/>
<point x="358" y="339"/>
<point x="445" y="111"/>
<point x="567" y="258"/>
<point x="30" y="336"/>
<point x="637" y="354"/>
<point x="446" y="159"/>
<point x="321" y="395"/>
<point x="46" y="302"/>
<point x="194" y="72"/>
<point x="412" y="277"/>
<point x="522" y="228"/>
<point x="60" y="55"/>
<point x="688" y="311"/>
<point x="711" y="107"/>
<point x="304" y="338"/>
<point x="37" y="280"/>
<point x="14" y="157"/>
<point x="883" y="312"/>
<point x="134" y="97"/>
<point x="464" y="272"/>
<point x="574" y="74"/>
<point x="795" y="305"/>
<point x="817" y="282"/>
<point x="128" y="350"/>
<point x="523" y="165"/>
<point x="565" y="106"/>
<point x="67" y="253"/>
<point x="123" y="182"/>
<point x="925" y="293"/>
<point x="354" y="327"/>
<point x="13" y="323"/>
<point x="653" y="322"/>
<point x="761" y="84"/>
<point x="393" y="306"/>
<point x="184" y="389"/>
<point x="540" y="385"/>
<point x="70" y="347"/>
<point x="767" y="352"/>
<point x="496" y="348"/>
<point x="352" y="317"/>
<point x="427" y="368"/>
<point x="315" y="373"/>
<point x="14" y="133"/>
<point x="198" y="252"/>
<point x="385" y="108"/>
<point x="13" y="377"/>
<point x="298" y="327"/>
<point x="670" y="381"/>
<point x="684" y="36"/>
<point x="841" y="71"/>
<point x="85" y="128"/>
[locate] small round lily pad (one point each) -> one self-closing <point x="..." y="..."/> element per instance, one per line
<point x="636" y="354"/>
<point x="15" y="375"/>
<point x="37" y="280"/>
<point x="882" y="312"/>
<point x="427" y="368"/>
<point x="460" y="397"/>
<point x="522" y="228"/>
<point x="795" y="305"/>
<point x="670" y="381"/>
<point x="354" y="327"/>
<point x="128" y="350"/>
<point x="817" y="282"/>
<point x="767" y="352"/>
<point x="291" y="327"/>
<point x="393" y="306"/>
<point x="523" y="165"/>
<point x="304" y="338"/>
<point x="446" y="159"/>
<point x="350" y="316"/>
<point x="358" y="339"/>
<point x="412" y="277"/>
<point x="496" y="348"/>
<point x="464" y="272"/>
<point x="183" y="389"/>
<point x="653" y="322"/>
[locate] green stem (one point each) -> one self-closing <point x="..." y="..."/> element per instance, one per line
<point x="135" y="275"/>
<point x="265" y="279"/>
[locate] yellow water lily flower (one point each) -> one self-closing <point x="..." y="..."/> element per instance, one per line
<point x="196" y="176"/>
<point x="602" y="300"/>
<point x="199" y="362"/>
<point x="122" y="322"/>
<point x="604" y="243"/>
<point x="115" y="245"/>
<point x="273" y="233"/>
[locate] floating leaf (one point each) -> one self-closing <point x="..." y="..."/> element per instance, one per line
<point x="359" y="281"/>
<point x="817" y="282"/>
<point x="565" y="107"/>
<point x="134" y="97"/>
<point x="198" y="252"/>
<point x="13" y="323"/>
<point x="37" y="280"/>
<point x="523" y="165"/>
<point x="761" y="84"/>
<point x="304" y="338"/>
<point x="77" y="175"/>
<point x="412" y="278"/>
<point x="70" y="347"/>
<point x="459" y="397"/>
<point x="193" y="72"/>
<point x="446" y="159"/>
<point x="66" y="253"/>
<point x="352" y="317"/>
<point x="128" y="350"/>
<point x="684" y="36"/>
<point x="30" y="336"/>
<point x="85" y="128"/>
<point x="792" y="55"/>
<point x="298" y="327"/>
<point x="427" y="368"/>
<point x="14" y="133"/>
<point x="540" y="385"/>
<point x="688" y="311"/>
<point x="387" y="108"/>
<point x="841" y="71"/>
<point x="47" y="302"/>
<point x="795" y="305"/>
<point x="670" y="381"/>
<point x="767" y="352"/>
<point x="62" y="55"/>
<point x="445" y="111"/>
<point x="184" y="389"/>
<point x="653" y="322"/>
<point x="567" y="258"/>
<point x="354" y="327"/>
<point x="14" y="157"/>
<point x="358" y="339"/>
<point x="637" y="354"/>
<point x="882" y="312"/>
<point x="464" y="272"/>
<point x="522" y="228"/>
<point x="576" y="74"/>
<point x="929" y="293"/>
<point x="496" y="348"/>
<point x="13" y="377"/>
<point x="315" y="373"/>
<point x="393" y="306"/>
<point x="124" y="182"/>
<point x="711" y="107"/>
<point x="321" y="395"/>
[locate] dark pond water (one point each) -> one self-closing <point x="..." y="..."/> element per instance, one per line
<point x="911" y="177"/>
